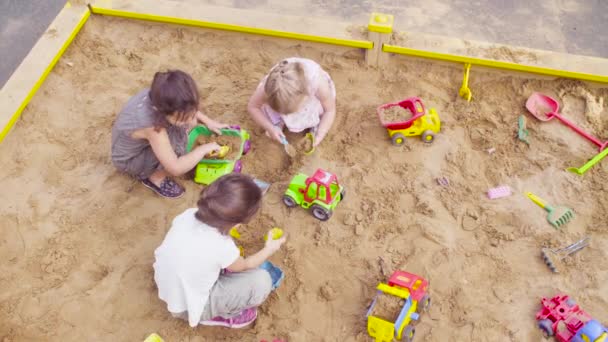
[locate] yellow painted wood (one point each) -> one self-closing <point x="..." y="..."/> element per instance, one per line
<point x="31" y="73"/>
<point x="493" y="63"/>
<point x="380" y="22"/>
<point x="99" y="9"/>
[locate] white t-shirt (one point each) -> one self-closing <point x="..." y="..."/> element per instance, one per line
<point x="188" y="264"/>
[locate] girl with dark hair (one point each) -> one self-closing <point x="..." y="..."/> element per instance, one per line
<point x="149" y="136"/>
<point x="189" y="262"/>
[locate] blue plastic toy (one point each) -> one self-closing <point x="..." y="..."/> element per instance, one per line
<point x="276" y="274"/>
<point x="592" y="331"/>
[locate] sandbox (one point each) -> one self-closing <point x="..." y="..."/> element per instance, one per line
<point x="78" y="237"/>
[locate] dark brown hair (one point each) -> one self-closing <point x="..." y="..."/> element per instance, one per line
<point x="230" y="200"/>
<point x="174" y="91"/>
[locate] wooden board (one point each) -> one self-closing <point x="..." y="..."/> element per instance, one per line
<point x="31" y="73"/>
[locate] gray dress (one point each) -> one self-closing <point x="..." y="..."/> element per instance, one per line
<point x="135" y="156"/>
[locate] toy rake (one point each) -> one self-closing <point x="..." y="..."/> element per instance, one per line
<point x="551" y="257"/>
<point x="558" y="216"/>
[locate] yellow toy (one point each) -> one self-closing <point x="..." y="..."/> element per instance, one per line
<point x="465" y="91"/>
<point x="412" y="289"/>
<point x="276" y="233"/>
<point x="154" y="338"/>
<point x="236" y="235"/>
<point x="219" y="154"/>
<point x="420" y="123"/>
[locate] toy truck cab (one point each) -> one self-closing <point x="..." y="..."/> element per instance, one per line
<point x="420" y="122"/>
<point x="561" y="317"/>
<point x="321" y="193"/>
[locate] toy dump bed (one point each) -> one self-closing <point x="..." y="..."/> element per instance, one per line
<point x="413" y="104"/>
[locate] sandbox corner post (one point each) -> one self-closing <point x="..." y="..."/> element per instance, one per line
<point x="379" y="29"/>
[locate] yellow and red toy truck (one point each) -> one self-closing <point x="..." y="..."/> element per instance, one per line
<point x="412" y="290"/>
<point x="420" y="123"/>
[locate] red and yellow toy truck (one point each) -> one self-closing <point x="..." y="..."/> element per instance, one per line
<point x="420" y="123"/>
<point x="413" y="292"/>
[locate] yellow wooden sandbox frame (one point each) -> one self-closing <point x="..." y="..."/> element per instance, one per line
<point x="29" y="76"/>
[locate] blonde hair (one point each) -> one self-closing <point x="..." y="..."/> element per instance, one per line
<point x="286" y="86"/>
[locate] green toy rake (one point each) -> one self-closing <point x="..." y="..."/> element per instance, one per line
<point x="558" y="216"/>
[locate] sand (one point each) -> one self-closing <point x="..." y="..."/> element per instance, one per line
<point x="387" y="307"/>
<point x="396" y="114"/>
<point x="78" y="238"/>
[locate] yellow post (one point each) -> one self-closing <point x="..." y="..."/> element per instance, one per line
<point x="379" y="28"/>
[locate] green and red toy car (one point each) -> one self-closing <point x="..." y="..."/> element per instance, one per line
<point x="320" y="193"/>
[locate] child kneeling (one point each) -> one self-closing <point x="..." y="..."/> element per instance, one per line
<point x="191" y="261"/>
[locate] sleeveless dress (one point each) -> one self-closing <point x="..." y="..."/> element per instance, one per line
<point x="135" y="156"/>
<point x="310" y="114"/>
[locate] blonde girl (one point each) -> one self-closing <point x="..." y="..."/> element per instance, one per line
<point x="297" y="94"/>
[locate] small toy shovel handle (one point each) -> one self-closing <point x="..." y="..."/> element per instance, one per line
<point x="539" y="201"/>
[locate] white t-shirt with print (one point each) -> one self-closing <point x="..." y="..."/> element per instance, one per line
<point x="188" y="263"/>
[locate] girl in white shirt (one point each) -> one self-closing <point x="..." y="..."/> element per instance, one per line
<point x="190" y="262"/>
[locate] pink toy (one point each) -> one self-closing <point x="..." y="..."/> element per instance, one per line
<point x="499" y="192"/>
<point x="561" y="317"/>
<point x="545" y="108"/>
<point x="443" y="181"/>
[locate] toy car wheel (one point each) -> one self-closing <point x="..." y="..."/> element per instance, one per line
<point x="408" y="333"/>
<point x="342" y="194"/>
<point x="289" y="201"/>
<point x="546" y="326"/>
<point x="398" y="139"/>
<point x="424" y="304"/>
<point x="428" y="136"/>
<point x="320" y="213"/>
<point x="238" y="166"/>
<point x="247" y="147"/>
<point x="570" y="302"/>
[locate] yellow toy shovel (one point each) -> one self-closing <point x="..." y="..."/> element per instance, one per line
<point x="465" y="91"/>
<point x="558" y="216"/>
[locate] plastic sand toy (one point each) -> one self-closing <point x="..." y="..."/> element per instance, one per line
<point x="320" y="193"/>
<point x="552" y="257"/>
<point x="558" y="216"/>
<point x="545" y="108"/>
<point x="581" y="170"/>
<point x="561" y="317"/>
<point x="522" y="132"/>
<point x="412" y="290"/>
<point x="276" y="274"/>
<point x="209" y="169"/>
<point x="420" y="123"/>
<point x="154" y="338"/>
<point x="499" y="192"/>
<point x="275" y="232"/>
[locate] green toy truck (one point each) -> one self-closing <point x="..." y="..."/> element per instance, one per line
<point x="208" y="170"/>
<point x="321" y="193"/>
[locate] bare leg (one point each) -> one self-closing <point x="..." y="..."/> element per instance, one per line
<point x="158" y="176"/>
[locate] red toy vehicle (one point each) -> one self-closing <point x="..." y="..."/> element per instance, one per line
<point x="562" y="317"/>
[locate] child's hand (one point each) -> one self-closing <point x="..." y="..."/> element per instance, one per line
<point x="216" y="126"/>
<point x="208" y="148"/>
<point x="276" y="135"/>
<point x="274" y="245"/>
